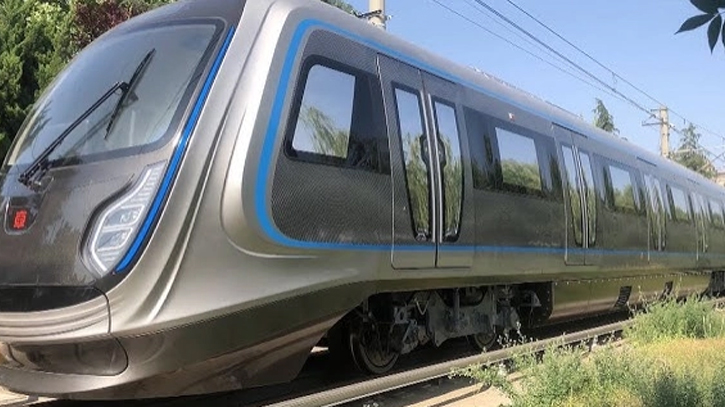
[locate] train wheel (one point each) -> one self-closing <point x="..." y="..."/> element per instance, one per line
<point x="371" y="349"/>
<point x="363" y="345"/>
<point x="484" y="341"/>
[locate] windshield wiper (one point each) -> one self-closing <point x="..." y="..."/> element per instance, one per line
<point x="128" y="87"/>
<point x="41" y="164"/>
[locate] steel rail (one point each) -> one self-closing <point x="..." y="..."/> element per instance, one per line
<point x="357" y="391"/>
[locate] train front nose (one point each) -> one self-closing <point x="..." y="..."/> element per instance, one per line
<point x="42" y="236"/>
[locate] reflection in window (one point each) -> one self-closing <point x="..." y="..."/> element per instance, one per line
<point x="622" y="189"/>
<point x="590" y="196"/>
<point x="415" y="157"/>
<point x="698" y="203"/>
<point x="680" y="209"/>
<point x="716" y="211"/>
<point x="574" y="196"/>
<point x="325" y="118"/>
<point x="145" y="118"/>
<point x="452" y="169"/>
<point x="519" y="162"/>
<point x="657" y="210"/>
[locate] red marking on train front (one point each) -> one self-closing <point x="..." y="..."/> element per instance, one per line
<point x="20" y="221"/>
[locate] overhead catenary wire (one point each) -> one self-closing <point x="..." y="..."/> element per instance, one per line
<point x="611" y="71"/>
<point x="519" y="47"/>
<point x="602" y="85"/>
<point x="513" y="44"/>
<point x="564" y="57"/>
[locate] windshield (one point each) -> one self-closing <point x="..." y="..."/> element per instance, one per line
<point x="148" y="112"/>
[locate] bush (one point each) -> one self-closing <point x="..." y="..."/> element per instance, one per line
<point x="672" y="319"/>
<point x="675" y="357"/>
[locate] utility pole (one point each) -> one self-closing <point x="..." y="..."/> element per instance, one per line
<point x="663" y="115"/>
<point x="664" y="132"/>
<point x="377" y="13"/>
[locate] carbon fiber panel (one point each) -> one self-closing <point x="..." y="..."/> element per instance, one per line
<point x="320" y="201"/>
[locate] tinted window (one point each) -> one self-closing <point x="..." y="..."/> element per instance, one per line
<point x="323" y="125"/>
<point x="415" y="157"/>
<point x="656" y="210"/>
<point x="681" y="208"/>
<point x="716" y="211"/>
<point x="590" y="195"/>
<point x="173" y="55"/>
<point x="574" y="197"/>
<point x="482" y="154"/>
<point x="698" y="203"/>
<point x="338" y="120"/>
<point x="450" y="145"/>
<point x="519" y="162"/>
<point x="622" y="189"/>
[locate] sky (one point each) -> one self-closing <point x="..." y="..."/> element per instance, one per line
<point x="635" y="39"/>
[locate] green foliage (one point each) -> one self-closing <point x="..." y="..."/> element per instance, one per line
<point x="691" y="155"/>
<point x="33" y="39"/>
<point x="602" y="118"/>
<point x="670" y="319"/>
<point x="521" y="174"/>
<point x="341" y="5"/>
<point x="417" y="176"/>
<point x="666" y="363"/>
<point x="326" y="138"/>
<point x="712" y="15"/>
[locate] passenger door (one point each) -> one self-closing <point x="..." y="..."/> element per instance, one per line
<point x="427" y="169"/>
<point x="581" y="205"/>
<point x="657" y="219"/>
<point x="702" y="220"/>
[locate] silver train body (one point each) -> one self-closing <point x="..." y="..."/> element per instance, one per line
<point x="261" y="173"/>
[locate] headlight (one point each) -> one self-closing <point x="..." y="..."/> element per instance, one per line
<point x="118" y="224"/>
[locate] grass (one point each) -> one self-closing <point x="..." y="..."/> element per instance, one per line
<point x="674" y="356"/>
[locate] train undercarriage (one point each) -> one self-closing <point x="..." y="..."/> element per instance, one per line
<point x="374" y="335"/>
<point x="389" y="325"/>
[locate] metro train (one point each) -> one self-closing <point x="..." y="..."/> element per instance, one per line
<point x="211" y="189"/>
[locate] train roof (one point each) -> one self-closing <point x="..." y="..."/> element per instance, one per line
<point x="495" y="87"/>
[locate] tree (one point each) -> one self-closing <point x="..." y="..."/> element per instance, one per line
<point x="341" y="5"/>
<point x="710" y="13"/>
<point x="691" y="155"/>
<point x="92" y="18"/>
<point x="602" y="118"/>
<point x="33" y="39"/>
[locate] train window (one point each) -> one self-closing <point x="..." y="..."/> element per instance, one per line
<point x="681" y="211"/>
<point x="519" y="162"/>
<point x="622" y="189"/>
<point x="325" y="118"/>
<point x="482" y="154"/>
<point x="700" y="207"/>
<point x="452" y="168"/>
<point x="575" y="201"/>
<point x="657" y="211"/>
<point x="716" y="212"/>
<point x="415" y="156"/>
<point x="590" y="195"/>
<point x="338" y="120"/>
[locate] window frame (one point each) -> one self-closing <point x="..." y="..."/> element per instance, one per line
<point x="420" y="96"/>
<point x="377" y="104"/>
<point x="434" y="101"/>
<point x="607" y="193"/>
<point x="673" y="206"/>
<point x="609" y="187"/>
<point x="499" y="184"/>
